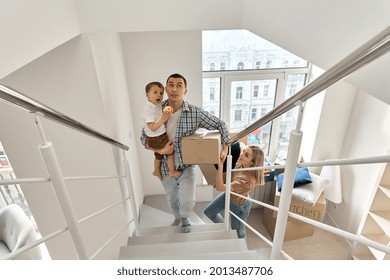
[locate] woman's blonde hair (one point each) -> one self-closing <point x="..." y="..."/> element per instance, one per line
<point x="257" y="160"/>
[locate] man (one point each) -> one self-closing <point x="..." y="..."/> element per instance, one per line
<point x="184" y="121"/>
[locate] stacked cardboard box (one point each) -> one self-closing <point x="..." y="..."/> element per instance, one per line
<point x="295" y="229"/>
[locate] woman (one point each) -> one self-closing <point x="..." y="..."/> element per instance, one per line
<point x="242" y="182"/>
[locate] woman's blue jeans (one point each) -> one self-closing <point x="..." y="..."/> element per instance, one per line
<point x="214" y="209"/>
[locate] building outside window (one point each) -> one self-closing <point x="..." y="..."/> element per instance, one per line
<point x="256" y="76"/>
<point x="238" y="92"/>
<point x="266" y="90"/>
<point x="254" y="114"/>
<point x="11" y="193"/>
<point x="256" y="91"/>
<point x="212" y="94"/>
<point x="237" y="115"/>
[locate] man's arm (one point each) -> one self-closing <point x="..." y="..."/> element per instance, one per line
<point x="211" y="122"/>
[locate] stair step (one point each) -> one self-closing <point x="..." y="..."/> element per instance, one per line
<point x="179" y="249"/>
<point x="177" y="229"/>
<point x="181" y="237"/>
<point x="154" y="217"/>
<point x="242" y="255"/>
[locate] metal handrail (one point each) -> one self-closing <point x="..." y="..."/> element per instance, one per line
<point x="373" y="49"/>
<point x="16" y="98"/>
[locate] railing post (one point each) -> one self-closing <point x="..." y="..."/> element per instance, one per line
<point x="287" y="187"/>
<point x="227" y="190"/>
<point x="57" y="179"/>
<point x="130" y="206"/>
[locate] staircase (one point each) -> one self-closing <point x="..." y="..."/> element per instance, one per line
<point x="159" y="240"/>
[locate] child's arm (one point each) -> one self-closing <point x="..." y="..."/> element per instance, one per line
<point x="156" y="125"/>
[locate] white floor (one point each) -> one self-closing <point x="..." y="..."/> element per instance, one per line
<point x="321" y="245"/>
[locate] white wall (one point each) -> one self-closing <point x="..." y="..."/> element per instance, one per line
<point x="110" y="68"/>
<point x="334" y="120"/>
<point x="154" y="56"/>
<point x="65" y="79"/>
<point x="155" y="15"/>
<point x="368" y="134"/>
<point x="29" y="29"/>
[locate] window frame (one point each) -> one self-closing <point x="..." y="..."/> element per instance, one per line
<point x="226" y="77"/>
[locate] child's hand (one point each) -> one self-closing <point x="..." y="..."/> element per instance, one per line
<point x="166" y="116"/>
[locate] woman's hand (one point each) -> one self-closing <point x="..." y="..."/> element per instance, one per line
<point x="224" y="152"/>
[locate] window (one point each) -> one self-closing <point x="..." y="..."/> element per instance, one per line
<point x="237" y="115"/>
<point x="292" y="89"/>
<point x="238" y="92"/>
<point x="212" y="94"/>
<point x="242" y="97"/>
<point x="11" y="193"/>
<point x="265" y="90"/>
<point x="256" y="91"/>
<point x="254" y="114"/>
<point x="250" y="51"/>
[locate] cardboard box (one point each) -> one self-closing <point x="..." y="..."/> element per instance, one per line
<point x="202" y="148"/>
<point x="295" y="229"/>
<point x="281" y="160"/>
<point x="303" y="209"/>
<point x="209" y="172"/>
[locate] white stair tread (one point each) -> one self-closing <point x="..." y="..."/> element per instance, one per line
<point x="382" y="218"/>
<point x="181" y="237"/>
<point x="153" y="217"/>
<point x="242" y="255"/>
<point x="177" y="229"/>
<point x="182" y="248"/>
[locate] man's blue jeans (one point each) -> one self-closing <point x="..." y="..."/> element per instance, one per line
<point x="180" y="192"/>
<point x="214" y="209"/>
